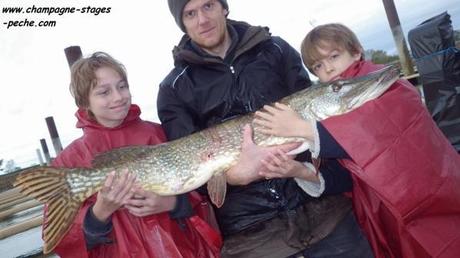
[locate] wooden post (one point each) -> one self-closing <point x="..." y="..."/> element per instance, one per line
<point x="18" y="208"/>
<point x="15" y="200"/>
<point x="45" y="150"/>
<point x="54" y="134"/>
<point x="9" y="195"/>
<point x="21" y="226"/>
<point x="40" y="158"/>
<point x="72" y="53"/>
<point x="398" y="35"/>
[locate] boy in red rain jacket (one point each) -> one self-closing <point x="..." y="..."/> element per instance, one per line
<point x="123" y="220"/>
<point x="406" y="180"/>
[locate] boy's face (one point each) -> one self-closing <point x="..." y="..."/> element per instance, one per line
<point x="205" y="23"/>
<point x="110" y="99"/>
<point x="334" y="62"/>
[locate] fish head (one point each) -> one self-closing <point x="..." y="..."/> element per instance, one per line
<point x="369" y="87"/>
<point x="342" y="96"/>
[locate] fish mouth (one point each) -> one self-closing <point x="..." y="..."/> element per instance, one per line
<point x="336" y="78"/>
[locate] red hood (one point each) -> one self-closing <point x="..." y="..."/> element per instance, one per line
<point x="84" y="121"/>
<point x="359" y="68"/>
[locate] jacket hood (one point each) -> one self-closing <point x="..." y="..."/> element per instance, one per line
<point x="249" y="36"/>
<point x="359" y="68"/>
<point x="85" y="121"/>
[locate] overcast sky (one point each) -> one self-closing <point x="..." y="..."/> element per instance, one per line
<point x="34" y="75"/>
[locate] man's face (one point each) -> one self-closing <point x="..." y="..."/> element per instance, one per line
<point x="205" y="23"/>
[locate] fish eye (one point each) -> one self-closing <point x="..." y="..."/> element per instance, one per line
<point x="336" y="86"/>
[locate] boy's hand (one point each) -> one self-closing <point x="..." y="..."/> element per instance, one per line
<point x="281" y="120"/>
<point x="249" y="163"/>
<point x="145" y="203"/>
<point x="281" y="165"/>
<point x="114" y="193"/>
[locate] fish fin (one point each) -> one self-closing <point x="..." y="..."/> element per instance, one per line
<point x="119" y="156"/>
<point x="217" y="189"/>
<point x="49" y="185"/>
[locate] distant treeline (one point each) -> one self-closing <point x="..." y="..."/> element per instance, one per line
<point x="380" y="56"/>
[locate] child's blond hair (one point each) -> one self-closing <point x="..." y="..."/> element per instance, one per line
<point x="83" y="75"/>
<point x="328" y="35"/>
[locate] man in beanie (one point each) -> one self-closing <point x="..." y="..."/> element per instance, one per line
<point x="224" y="69"/>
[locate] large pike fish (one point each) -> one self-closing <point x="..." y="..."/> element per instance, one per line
<point x="187" y="163"/>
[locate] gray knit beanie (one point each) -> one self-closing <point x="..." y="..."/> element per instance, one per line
<point x="177" y="6"/>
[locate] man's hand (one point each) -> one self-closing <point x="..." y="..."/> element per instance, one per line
<point x="281" y="165"/>
<point x="250" y="161"/>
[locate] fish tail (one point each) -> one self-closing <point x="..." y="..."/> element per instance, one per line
<point x="49" y="185"/>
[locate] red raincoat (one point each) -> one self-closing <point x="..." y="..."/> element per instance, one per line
<point x="150" y="236"/>
<point x="406" y="175"/>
